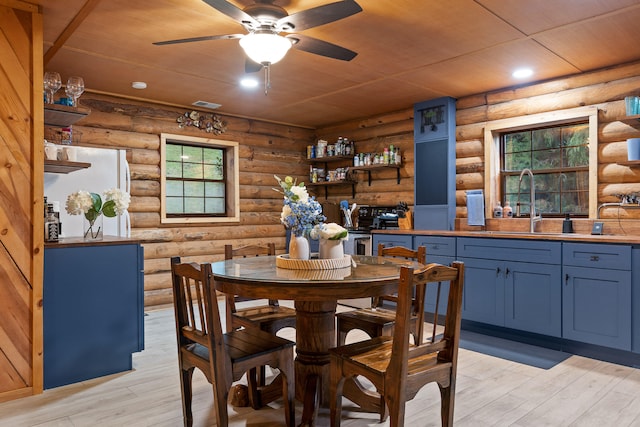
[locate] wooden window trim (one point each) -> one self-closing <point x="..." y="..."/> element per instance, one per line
<point x="495" y="128"/>
<point x="232" y="175"/>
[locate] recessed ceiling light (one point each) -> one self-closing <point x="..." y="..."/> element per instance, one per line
<point x="249" y="82"/>
<point x="138" y="85"/>
<point x="522" y="73"/>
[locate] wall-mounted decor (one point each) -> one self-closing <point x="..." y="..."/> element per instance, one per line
<point x="207" y="122"/>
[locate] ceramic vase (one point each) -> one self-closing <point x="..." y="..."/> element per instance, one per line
<point x="331" y="249"/>
<point x="299" y="247"/>
<point x="93" y="230"/>
<point x="633" y="149"/>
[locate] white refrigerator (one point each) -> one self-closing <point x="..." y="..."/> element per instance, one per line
<point x="109" y="169"/>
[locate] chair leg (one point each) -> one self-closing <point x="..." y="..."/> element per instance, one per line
<point x="220" y="392"/>
<point x="288" y="395"/>
<point x="342" y="336"/>
<point x="396" y="412"/>
<point x="447" y="398"/>
<point x="187" y="394"/>
<point x="254" y="395"/>
<point x="335" y="393"/>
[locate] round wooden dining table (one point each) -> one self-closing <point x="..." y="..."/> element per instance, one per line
<point x="315" y="294"/>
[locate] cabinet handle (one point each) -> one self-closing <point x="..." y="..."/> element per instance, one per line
<point x="595" y="258"/>
<point x="506" y="273"/>
<point x="498" y="271"/>
<point x="566" y="279"/>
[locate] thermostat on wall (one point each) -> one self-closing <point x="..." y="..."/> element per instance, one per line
<point x="597" y="228"/>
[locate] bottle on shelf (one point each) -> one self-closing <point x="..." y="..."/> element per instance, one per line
<point x="50" y="225"/>
<point x="397" y="156"/>
<point x="497" y="210"/>
<point x="507" y="210"/>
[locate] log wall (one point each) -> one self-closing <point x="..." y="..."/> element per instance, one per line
<point x="605" y="89"/>
<point x="265" y="149"/>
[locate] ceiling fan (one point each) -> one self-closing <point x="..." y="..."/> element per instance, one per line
<point x="265" y="21"/>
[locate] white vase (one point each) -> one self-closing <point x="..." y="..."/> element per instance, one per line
<point x="331" y="249"/>
<point x="299" y="247"/>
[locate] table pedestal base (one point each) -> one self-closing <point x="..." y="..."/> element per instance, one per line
<point x="312" y="355"/>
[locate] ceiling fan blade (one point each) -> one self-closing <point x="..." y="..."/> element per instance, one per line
<point x="200" y="39"/>
<point x="231" y="11"/>
<point x="252" y="66"/>
<point x="320" y="15"/>
<point x="320" y="47"/>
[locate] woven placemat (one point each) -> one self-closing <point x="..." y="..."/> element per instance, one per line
<point x="283" y="261"/>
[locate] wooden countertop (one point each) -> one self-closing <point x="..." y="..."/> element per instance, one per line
<point x="79" y="241"/>
<point x="564" y="237"/>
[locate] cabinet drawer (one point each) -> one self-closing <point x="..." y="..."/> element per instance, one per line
<point x="613" y="257"/>
<point x="391" y="240"/>
<point x="436" y="245"/>
<point x="540" y="252"/>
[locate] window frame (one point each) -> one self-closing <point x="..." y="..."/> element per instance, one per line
<point x="231" y="174"/>
<point x="492" y="141"/>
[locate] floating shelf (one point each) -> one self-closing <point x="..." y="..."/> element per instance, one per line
<point x="630" y="163"/>
<point x="62" y="166"/>
<point x="63" y="115"/>
<point x="329" y="159"/>
<point x="632" y="120"/>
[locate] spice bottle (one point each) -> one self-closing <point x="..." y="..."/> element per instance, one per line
<point x="507" y="211"/>
<point x="497" y="210"/>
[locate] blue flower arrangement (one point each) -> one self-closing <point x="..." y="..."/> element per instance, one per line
<point x="300" y="212"/>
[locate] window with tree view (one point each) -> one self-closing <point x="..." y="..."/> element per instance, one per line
<point x="195" y="180"/>
<point x="558" y="156"/>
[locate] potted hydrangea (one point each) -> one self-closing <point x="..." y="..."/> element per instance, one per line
<point x="331" y="236"/>
<point x="92" y="207"/>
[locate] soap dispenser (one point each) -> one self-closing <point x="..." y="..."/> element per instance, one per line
<point x="567" y="224"/>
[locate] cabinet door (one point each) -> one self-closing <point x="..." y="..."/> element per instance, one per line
<point x="533" y="298"/>
<point x="597" y="306"/>
<point x="391" y="240"/>
<point x="93" y="311"/>
<point x="483" y="296"/>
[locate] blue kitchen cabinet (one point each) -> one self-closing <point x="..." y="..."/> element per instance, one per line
<point x="597" y="294"/>
<point x="441" y="250"/>
<point x="512" y="283"/>
<point x="93" y="308"/>
<point x="391" y="240"/>
<point x="635" y="299"/>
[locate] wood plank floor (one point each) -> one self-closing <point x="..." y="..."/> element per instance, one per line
<point x="491" y="392"/>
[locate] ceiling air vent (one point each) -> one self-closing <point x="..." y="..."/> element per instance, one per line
<point x="205" y="104"/>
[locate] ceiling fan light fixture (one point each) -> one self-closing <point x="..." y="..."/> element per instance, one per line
<point x="265" y="48"/>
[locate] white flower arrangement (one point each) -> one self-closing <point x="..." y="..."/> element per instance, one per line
<point x="91" y="206"/>
<point x="329" y="231"/>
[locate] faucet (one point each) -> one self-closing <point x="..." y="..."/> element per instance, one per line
<point x="533" y="218"/>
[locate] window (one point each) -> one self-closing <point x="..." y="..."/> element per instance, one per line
<point x="561" y="149"/>
<point x="558" y="156"/>
<point x="199" y="180"/>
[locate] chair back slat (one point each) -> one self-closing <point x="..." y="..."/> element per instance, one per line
<point x="197" y="312"/>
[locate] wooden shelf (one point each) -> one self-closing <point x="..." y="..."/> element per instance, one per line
<point x="369" y="168"/>
<point x="632" y="120"/>
<point x="62" y="166"/>
<point x="329" y="159"/>
<point x="63" y="115"/>
<point x="630" y="163"/>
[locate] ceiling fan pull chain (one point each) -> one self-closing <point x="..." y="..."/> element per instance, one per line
<point x="267" y="78"/>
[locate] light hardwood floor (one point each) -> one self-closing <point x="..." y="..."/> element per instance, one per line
<point x="490" y="392"/>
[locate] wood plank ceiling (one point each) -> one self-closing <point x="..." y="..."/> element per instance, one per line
<point x="408" y="51"/>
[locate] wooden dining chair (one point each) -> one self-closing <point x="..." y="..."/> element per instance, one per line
<point x="224" y="358"/>
<point x="378" y="320"/>
<point x="269" y="317"/>
<point x="397" y="368"/>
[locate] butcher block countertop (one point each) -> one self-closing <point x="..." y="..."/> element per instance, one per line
<point x="564" y="237"/>
<point x="79" y="241"/>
